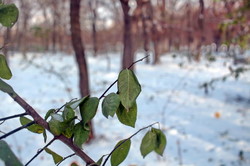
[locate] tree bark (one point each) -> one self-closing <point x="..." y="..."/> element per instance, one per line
<point x="93" y="8"/>
<point x="6" y="43"/>
<point x="201" y="27"/>
<point x="79" y="50"/>
<point x="128" y="50"/>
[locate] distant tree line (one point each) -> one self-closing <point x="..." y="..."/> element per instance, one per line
<point x="156" y="26"/>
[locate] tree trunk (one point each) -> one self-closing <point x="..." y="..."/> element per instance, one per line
<point x="146" y="26"/>
<point x="79" y="50"/>
<point x="54" y="26"/>
<point x="201" y="27"/>
<point x="128" y="50"/>
<point x="93" y="8"/>
<point x="6" y="43"/>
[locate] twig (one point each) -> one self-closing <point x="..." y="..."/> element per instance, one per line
<point x="138" y="61"/>
<point x="125" y="140"/>
<point x="117" y="79"/>
<point x="233" y="73"/>
<point x="66" y="158"/>
<point x="179" y="151"/>
<point x="55" y="73"/>
<point x="40" y="151"/>
<point x="13" y="116"/>
<point x="64" y="105"/>
<point x="16" y="130"/>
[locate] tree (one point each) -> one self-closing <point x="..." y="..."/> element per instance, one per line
<point x="128" y="50"/>
<point x="93" y="4"/>
<point x="79" y="50"/>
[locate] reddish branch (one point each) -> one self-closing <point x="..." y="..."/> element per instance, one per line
<point x="39" y="120"/>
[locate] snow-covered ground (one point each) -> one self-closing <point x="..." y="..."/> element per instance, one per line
<point x="202" y="129"/>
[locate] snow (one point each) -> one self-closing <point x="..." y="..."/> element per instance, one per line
<point x="201" y="129"/>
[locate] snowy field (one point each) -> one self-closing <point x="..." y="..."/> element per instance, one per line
<point x="202" y="129"/>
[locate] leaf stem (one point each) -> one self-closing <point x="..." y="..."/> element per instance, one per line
<point x="125" y="140"/>
<point x="16" y="130"/>
<point x="13" y="116"/>
<point x="65" y="158"/>
<point x="40" y="151"/>
<point x="117" y="79"/>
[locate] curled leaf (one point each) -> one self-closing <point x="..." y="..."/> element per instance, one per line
<point x="56" y="157"/>
<point x="5" y="72"/>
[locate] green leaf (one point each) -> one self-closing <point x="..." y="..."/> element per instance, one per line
<point x="51" y="111"/>
<point x="68" y="113"/>
<point x="35" y="128"/>
<point x="161" y="141"/>
<point x="44" y="136"/>
<point x="56" y="157"/>
<point x="6" y="87"/>
<point x="88" y="109"/>
<point x="80" y="134"/>
<point x="5" y="72"/>
<point x="76" y="103"/>
<point x="68" y="132"/>
<point x="8" y="14"/>
<point x="110" y="104"/>
<point x="149" y="143"/>
<point x="128" y="87"/>
<point x="127" y="117"/>
<point x="120" y="154"/>
<point x="7" y="156"/>
<point x="56" y="124"/>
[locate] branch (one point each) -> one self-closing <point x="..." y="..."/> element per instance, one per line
<point x="126" y="141"/>
<point x="233" y="72"/>
<point x="65" y="158"/>
<point x="40" y="151"/>
<point x="117" y="79"/>
<point x="16" y="130"/>
<point x="13" y="116"/>
<point x="39" y="120"/>
<point x="138" y="61"/>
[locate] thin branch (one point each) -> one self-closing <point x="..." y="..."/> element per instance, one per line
<point x="233" y="73"/>
<point x="108" y="89"/>
<point x="138" y="61"/>
<point x="2" y="132"/>
<point x="16" y="130"/>
<point x="13" y="116"/>
<point x="117" y="79"/>
<point x="66" y="158"/>
<point x="65" y="105"/>
<point x="125" y="140"/>
<point x="40" y="121"/>
<point x="40" y="151"/>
